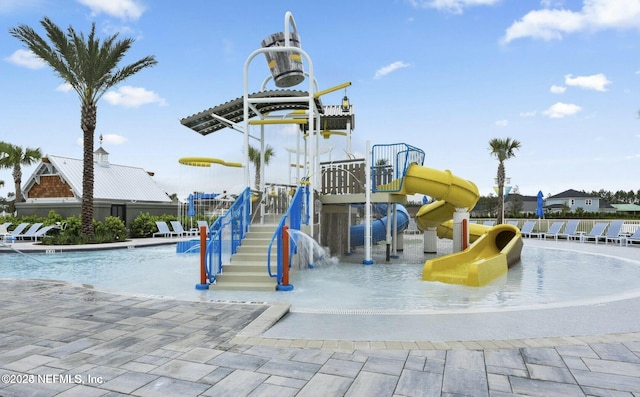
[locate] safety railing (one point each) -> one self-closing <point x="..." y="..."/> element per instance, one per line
<point x="296" y="215"/>
<point x="389" y="164"/>
<point x="226" y="234"/>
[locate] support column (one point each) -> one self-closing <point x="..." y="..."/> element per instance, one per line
<point x="430" y="240"/>
<point x="458" y="216"/>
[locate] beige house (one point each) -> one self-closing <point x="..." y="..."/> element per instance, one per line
<point x="119" y="190"/>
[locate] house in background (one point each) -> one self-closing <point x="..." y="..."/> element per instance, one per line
<point x="574" y="200"/>
<point x="517" y="203"/>
<point x="121" y="191"/>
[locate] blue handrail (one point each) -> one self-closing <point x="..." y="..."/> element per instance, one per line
<point x="296" y="215"/>
<point x="233" y="224"/>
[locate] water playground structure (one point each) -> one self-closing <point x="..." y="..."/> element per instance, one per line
<point x="247" y="249"/>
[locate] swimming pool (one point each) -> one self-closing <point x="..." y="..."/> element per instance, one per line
<point x="545" y="278"/>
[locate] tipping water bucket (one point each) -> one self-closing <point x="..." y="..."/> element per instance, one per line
<point x="286" y="66"/>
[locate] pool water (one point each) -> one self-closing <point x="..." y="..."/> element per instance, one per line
<point x="545" y="277"/>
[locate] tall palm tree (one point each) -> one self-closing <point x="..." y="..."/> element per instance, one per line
<point x="14" y="157"/>
<point x="91" y="68"/>
<point x="254" y="157"/>
<point x="502" y="149"/>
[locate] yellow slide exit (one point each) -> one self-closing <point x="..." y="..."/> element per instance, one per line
<point x="493" y="249"/>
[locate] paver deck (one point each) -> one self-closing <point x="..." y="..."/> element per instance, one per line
<point x="61" y="339"/>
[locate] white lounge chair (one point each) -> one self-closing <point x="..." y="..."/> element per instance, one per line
<point x="4" y="233"/>
<point x="553" y="231"/>
<point x="596" y="232"/>
<point x="42" y="232"/>
<point x="6" y="225"/>
<point x="30" y="232"/>
<point x="634" y="238"/>
<point x="18" y="230"/>
<point x="489" y="223"/>
<point x="163" y="230"/>
<point x="177" y="228"/>
<point x="613" y="233"/>
<point x="527" y="229"/>
<point x="571" y="230"/>
<point x="513" y="222"/>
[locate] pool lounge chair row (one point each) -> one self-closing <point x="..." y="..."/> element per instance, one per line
<point x="596" y="235"/>
<point x="34" y="232"/>
<point x="177" y="229"/>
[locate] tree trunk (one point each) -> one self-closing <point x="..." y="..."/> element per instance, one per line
<point x="88" y="125"/>
<point x="17" y="180"/>
<point x="501" y="176"/>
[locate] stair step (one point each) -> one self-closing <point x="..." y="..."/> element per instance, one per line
<point x="244" y="267"/>
<point x="245" y="286"/>
<point x="253" y="277"/>
<point x="254" y="257"/>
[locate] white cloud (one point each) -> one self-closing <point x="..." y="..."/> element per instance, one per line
<point x="561" y="110"/>
<point x="132" y="97"/>
<point x="557" y="89"/>
<point x="383" y="71"/>
<point x="502" y="123"/>
<point x="123" y="9"/>
<point x="113" y="139"/>
<point x="596" y="82"/>
<point x="595" y="15"/>
<point x="528" y="114"/>
<point x="26" y="58"/>
<point x="453" y="6"/>
<point x="64" y="87"/>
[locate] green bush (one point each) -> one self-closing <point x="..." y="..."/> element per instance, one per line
<point x="145" y="224"/>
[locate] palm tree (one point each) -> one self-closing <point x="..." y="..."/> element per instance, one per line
<point x="91" y="68"/>
<point x="14" y="157"/>
<point x="502" y="149"/>
<point x="254" y="157"/>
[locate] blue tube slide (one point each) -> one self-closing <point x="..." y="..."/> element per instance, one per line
<point x="379" y="226"/>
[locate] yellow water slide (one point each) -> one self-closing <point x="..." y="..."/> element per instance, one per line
<point x="493" y="249"/>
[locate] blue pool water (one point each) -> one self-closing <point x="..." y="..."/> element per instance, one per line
<point x="545" y="277"/>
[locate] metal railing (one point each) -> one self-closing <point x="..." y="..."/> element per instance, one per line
<point x="296" y="215"/>
<point x="226" y="234"/>
<point x="389" y="165"/>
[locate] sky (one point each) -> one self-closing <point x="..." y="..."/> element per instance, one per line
<point x="446" y="76"/>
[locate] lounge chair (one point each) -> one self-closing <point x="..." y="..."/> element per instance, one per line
<point x="30" y="232"/>
<point x="4" y="233"/>
<point x="489" y="223"/>
<point x="177" y="228"/>
<point x="6" y="225"/>
<point x="634" y="238"/>
<point x="571" y="230"/>
<point x="613" y="233"/>
<point x="596" y="232"/>
<point x="513" y="222"/>
<point x="163" y="230"/>
<point x="42" y="232"/>
<point x="18" y="230"/>
<point x="527" y="229"/>
<point x="553" y="231"/>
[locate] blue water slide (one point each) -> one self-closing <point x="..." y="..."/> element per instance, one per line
<point x="379" y="226"/>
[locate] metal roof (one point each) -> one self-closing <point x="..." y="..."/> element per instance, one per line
<point x="110" y="181"/>
<point x="204" y="123"/>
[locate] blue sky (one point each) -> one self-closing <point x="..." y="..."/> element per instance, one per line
<point x="562" y="77"/>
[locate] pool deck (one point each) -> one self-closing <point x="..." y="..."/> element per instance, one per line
<point x="62" y="339"/>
